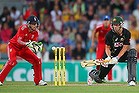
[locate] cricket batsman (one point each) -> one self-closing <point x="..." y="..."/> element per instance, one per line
<point x="19" y="46"/>
<point x="101" y="30"/>
<point x="117" y="49"/>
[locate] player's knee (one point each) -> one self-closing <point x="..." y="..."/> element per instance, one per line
<point x="12" y="62"/>
<point x="132" y="55"/>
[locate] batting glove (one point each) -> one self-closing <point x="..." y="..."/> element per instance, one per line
<point x="105" y="65"/>
<point x="114" y="60"/>
<point x="108" y="58"/>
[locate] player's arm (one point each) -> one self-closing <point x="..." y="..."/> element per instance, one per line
<point x="94" y="32"/>
<point x="93" y="37"/>
<point x="19" y="40"/>
<point x="107" y="50"/>
<point x="20" y="35"/>
<point x="126" y="45"/>
<point x="108" y="42"/>
<point x="124" y="49"/>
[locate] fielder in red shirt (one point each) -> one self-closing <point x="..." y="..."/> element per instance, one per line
<point x="101" y="31"/>
<point x="18" y="46"/>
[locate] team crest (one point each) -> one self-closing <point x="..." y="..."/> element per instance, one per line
<point x="114" y="19"/>
<point x="122" y="39"/>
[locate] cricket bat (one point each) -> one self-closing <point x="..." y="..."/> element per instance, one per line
<point x="89" y="63"/>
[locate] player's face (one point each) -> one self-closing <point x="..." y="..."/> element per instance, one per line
<point x="33" y="26"/>
<point x="106" y="23"/>
<point x="116" y="27"/>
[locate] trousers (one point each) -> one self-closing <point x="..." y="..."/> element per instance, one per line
<point x="26" y="54"/>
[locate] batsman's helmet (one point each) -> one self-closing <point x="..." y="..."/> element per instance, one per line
<point x="33" y="19"/>
<point x="117" y="20"/>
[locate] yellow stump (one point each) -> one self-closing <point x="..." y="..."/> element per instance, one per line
<point x="59" y="68"/>
<point x="55" y="67"/>
<point x="64" y="71"/>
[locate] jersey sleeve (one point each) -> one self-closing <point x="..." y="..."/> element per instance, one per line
<point x="127" y="38"/>
<point x="98" y="28"/>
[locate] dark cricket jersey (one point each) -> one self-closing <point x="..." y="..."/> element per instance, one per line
<point x="116" y="41"/>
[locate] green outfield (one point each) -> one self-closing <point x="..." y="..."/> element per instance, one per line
<point x="28" y="87"/>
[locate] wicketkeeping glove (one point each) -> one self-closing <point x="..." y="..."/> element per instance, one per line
<point x="35" y="46"/>
<point x="40" y="45"/>
<point x="30" y="44"/>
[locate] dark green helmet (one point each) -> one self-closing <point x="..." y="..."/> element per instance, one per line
<point x="117" y="20"/>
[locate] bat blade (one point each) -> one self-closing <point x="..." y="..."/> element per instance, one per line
<point x="89" y="63"/>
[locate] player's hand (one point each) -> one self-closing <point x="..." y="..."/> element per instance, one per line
<point x="108" y="58"/>
<point x="114" y="60"/>
<point x="30" y="43"/>
<point x="105" y="65"/>
<point x="101" y="61"/>
<point x="35" y="46"/>
<point x="40" y="44"/>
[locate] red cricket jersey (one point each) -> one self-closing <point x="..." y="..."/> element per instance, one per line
<point x="24" y="35"/>
<point x="102" y="31"/>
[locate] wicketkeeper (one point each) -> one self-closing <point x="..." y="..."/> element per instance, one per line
<point x="117" y="50"/>
<point x="19" y="45"/>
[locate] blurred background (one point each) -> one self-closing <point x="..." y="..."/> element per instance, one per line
<point x="67" y="23"/>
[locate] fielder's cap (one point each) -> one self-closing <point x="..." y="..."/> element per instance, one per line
<point x="106" y="17"/>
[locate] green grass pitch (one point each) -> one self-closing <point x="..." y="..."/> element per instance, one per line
<point x="75" y="87"/>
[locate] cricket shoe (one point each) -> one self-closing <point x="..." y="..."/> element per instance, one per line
<point x="89" y="81"/>
<point x="132" y="83"/>
<point x="42" y="83"/>
<point x="1" y="84"/>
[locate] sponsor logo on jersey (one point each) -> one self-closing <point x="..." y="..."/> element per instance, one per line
<point x="118" y="44"/>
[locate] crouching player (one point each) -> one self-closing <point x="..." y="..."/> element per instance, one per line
<point x="19" y="46"/>
<point x="117" y="50"/>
